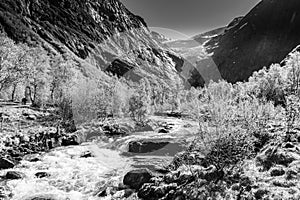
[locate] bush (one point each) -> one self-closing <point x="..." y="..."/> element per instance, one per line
<point x="138" y="109"/>
<point x="230" y="149"/>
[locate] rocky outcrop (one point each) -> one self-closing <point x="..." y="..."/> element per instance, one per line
<point x="120" y="68"/>
<point x="266" y="35"/>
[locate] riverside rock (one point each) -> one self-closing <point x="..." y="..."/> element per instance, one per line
<point x="136" y="178"/>
<point x="6" y="164"/>
<point x="11" y="175"/>
<point x="146" y="146"/>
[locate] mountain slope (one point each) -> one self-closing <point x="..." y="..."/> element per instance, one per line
<point x="264" y="36"/>
<point x="103" y="34"/>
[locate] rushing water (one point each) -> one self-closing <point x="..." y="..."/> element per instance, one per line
<point x="73" y="177"/>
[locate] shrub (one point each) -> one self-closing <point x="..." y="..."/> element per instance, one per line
<point x="230" y="149"/>
<point x="138" y="109"/>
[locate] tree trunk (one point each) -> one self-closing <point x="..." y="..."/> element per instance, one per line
<point x="34" y="94"/>
<point x="14" y="92"/>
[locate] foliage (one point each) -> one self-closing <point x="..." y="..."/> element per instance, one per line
<point x="139" y="103"/>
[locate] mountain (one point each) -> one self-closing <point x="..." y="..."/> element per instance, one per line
<point x="102" y="35"/>
<point x="266" y="35"/>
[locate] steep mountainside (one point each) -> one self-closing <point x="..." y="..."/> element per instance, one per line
<point x="102" y="34"/>
<point x="198" y="67"/>
<point x="264" y="36"/>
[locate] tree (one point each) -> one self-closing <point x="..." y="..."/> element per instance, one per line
<point x="62" y="73"/>
<point x="13" y="64"/>
<point x="38" y="76"/>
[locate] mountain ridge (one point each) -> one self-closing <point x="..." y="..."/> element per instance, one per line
<point x="97" y="32"/>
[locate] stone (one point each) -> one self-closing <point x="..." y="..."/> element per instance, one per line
<point x="32" y="158"/>
<point x="115" y="130"/>
<point x="6" y="164"/>
<point x="174" y="114"/>
<point x="260" y="193"/>
<point x="136" y="178"/>
<point x="146" y="146"/>
<point x="87" y="154"/>
<point x="235" y="187"/>
<point x="289" y="145"/>
<point x="128" y="193"/>
<point x="13" y="175"/>
<point x="42" y="174"/>
<point x="72" y="140"/>
<point x="277" y="172"/>
<point x="31" y="117"/>
<point x="163" y="131"/>
<point x="42" y="197"/>
<point x="284" y="184"/>
<point x="291" y="174"/>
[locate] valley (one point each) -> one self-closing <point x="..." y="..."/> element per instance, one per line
<point x="96" y="105"/>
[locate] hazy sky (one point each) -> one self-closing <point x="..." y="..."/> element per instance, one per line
<point x="189" y="16"/>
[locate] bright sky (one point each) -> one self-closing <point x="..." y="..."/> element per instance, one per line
<point x="189" y="17"/>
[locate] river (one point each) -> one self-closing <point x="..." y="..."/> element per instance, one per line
<point x="74" y="177"/>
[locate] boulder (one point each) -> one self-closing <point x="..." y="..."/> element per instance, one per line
<point x="87" y="154"/>
<point x="277" y="171"/>
<point x="136" y="178"/>
<point x="12" y="175"/>
<point x="115" y="130"/>
<point x="146" y="146"/>
<point x="260" y="193"/>
<point x="291" y="174"/>
<point x="42" y="174"/>
<point x="32" y="158"/>
<point x="6" y="164"/>
<point x="31" y="117"/>
<point x="163" y="131"/>
<point x="174" y="114"/>
<point x="72" y="140"/>
<point x="235" y="187"/>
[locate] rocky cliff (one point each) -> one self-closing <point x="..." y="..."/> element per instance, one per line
<point x="102" y="34"/>
<point x="266" y="35"/>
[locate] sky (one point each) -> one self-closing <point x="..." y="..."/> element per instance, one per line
<point x="188" y="17"/>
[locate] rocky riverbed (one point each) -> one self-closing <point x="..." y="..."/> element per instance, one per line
<point x="41" y="161"/>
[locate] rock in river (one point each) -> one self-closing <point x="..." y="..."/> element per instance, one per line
<point x="6" y="164"/>
<point x="136" y="178"/>
<point x="146" y="146"/>
<point x="11" y="175"/>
